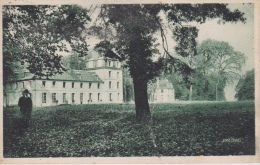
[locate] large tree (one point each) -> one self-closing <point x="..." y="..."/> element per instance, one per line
<point x="134" y="39"/>
<point x="219" y="64"/>
<point x="37" y="35"/>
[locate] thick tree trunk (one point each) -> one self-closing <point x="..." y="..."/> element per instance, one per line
<point x="141" y="99"/>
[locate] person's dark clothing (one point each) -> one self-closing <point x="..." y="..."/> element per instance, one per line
<point x="25" y="104"/>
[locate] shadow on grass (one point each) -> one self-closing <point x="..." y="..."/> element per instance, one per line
<point x="93" y="130"/>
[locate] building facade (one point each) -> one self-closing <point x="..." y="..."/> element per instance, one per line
<point x="101" y="82"/>
<point x="164" y="91"/>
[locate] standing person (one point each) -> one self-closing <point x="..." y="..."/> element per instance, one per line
<point x="25" y="104"/>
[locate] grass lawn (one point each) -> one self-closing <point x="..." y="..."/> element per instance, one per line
<point x="224" y="128"/>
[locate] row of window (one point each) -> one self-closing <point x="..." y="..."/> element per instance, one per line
<point x="110" y="74"/>
<point x="73" y="100"/>
<point x="166" y="90"/>
<point x="81" y="85"/>
<point x="117" y="85"/>
<point x="72" y="84"/>
<point x="17" y="84"/>
<point x="112" y="63"/>
<point x="108" y="63"/>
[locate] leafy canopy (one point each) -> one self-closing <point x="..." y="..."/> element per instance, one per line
<point x="132" y="30"/>
<point x="36" y="36"/>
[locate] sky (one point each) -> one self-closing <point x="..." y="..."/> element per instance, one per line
<point x="239" y="35"/>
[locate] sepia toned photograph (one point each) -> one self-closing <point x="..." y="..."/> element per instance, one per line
<point x="122" y="80"/>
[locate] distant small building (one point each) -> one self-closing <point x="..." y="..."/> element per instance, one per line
<point x="101" y="82"/>
<point x="164" y="91"/>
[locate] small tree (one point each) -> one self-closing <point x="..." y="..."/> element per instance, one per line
<point x="245" y="89"/>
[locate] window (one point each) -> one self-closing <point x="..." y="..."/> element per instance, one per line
<point x="106" y="62"/>
<point x="64" y="98"/>
<point x="95" y="64"/>
<point x="161" y="90"/>
<point x="98" y="85"/>
<point x="110" y="85"/>
<point x="109" y="74"/>
<point x="81" y="98"/>
<point x="118" y="96"/>
<point x="98" y="96"/>
<point x="73" y="97"/>
<point x="64" y="84"/>
<point x="89" y="85"/>
<point x="53" y="97"/>
<point x="16" y="85"/>
<point x="72" y="85"/>
<point x="53" y="83"/>
<point x="117" y="74"/>
<point x="81" y="85"/>
<point x="117" y="85"/>
<point x="43" y="83"/>
<point x="43" y="97"/>
<point x="30" y="84"/>
<point x="110" y="96"/>
<point x="90" y="96"/>
<point x="22" y="84"/>
<point x="109" y="63"/>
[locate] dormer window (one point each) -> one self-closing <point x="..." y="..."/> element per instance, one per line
<point x="106" y="63"/>
<point x="43" y="83"/>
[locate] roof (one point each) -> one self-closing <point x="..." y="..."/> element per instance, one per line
<point x="94" y="55"/>
<point x="70" y="75"/>
<point x="165" y="84"/>
<point x="83" y="75"/>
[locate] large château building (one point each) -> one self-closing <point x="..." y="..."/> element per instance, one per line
<point x="100" y="82"/>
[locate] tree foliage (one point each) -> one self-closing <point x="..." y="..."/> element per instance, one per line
<point x="74" y="61"/>
<point x="36" y="35"/>
<point x="219" y="64"/>
<point x="245" y="88"/>
<point x="135" y="41"/>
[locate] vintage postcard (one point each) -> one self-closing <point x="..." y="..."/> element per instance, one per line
<point x="129" y="82"/>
